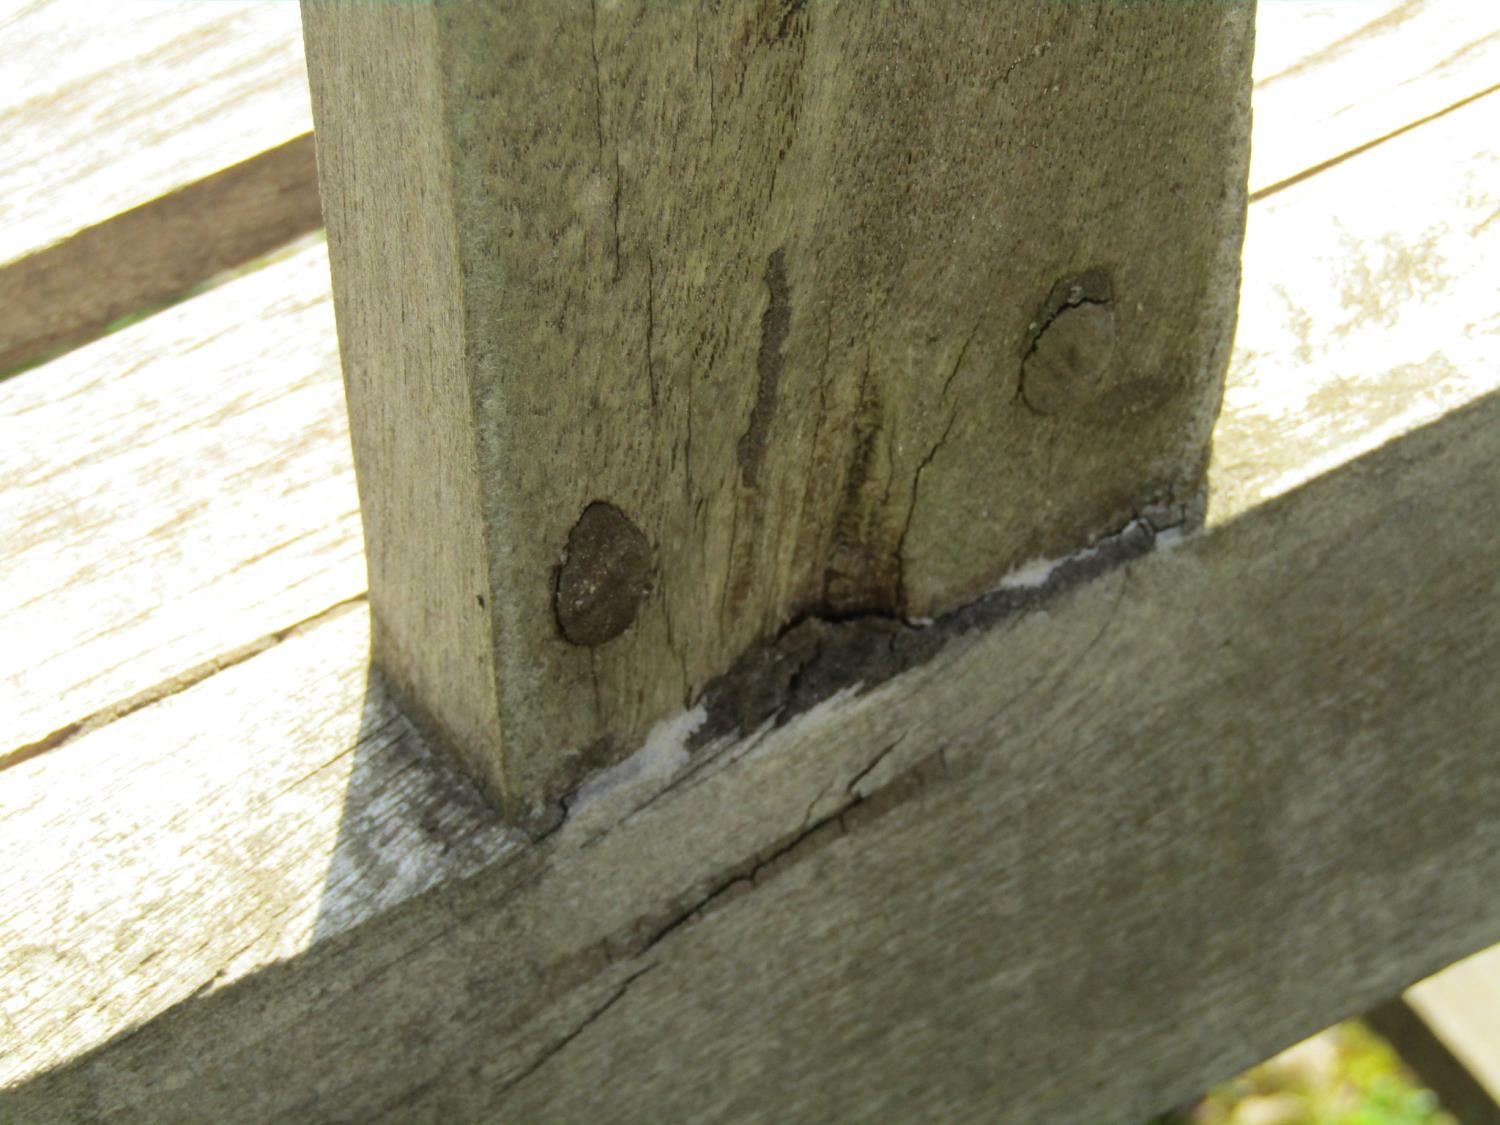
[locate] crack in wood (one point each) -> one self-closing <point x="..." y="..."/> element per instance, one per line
<point x="860" y="808"/>
<point x="1072" y="347"/>
<point x="816" y="656"/>
<point x="183" y="680"/>
<point x="557" y="1046"/>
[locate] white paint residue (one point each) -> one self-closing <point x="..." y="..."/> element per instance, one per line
<point x="1030" y="574"/>
<point x="1038" y="572"/>
<point x="1171" y="539"/>
<point x="663" y="754"/>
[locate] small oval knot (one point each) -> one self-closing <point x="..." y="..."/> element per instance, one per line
<point x="604" y="576"/>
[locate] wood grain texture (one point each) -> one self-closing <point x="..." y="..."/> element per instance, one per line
<point x="1331" y="76"/>
<point x="402" y="350"/>
<point x="771" y="280"/>
<point x="107" y="108"/>
<point x="1336" y="406"/>
<point x="70" y="291"/>
<point x="268" y="807"/>
<point x="1067" y="839"/>
<point x="175" y="495"/>
<point x="1364" y="312"/>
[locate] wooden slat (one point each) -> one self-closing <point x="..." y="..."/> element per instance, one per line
<point x="1325" y="418"/>
<point x="1363" y="312"/>
<point x="1333" y="75"/>
<point x="273" y="805"/>
<point x="1461" y="1006"/>
<point x="174" y="494"/>
<point x="107" y="108"/>
<point x="1070" y="837"/>
<point x="1447" y="1030"/>
<point x="72" y="290"/>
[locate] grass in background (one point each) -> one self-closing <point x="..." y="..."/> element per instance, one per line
<point x="1346" y="1075"/>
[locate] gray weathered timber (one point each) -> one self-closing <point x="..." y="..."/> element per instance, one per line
<point x="1027" y="881"/>
<point x="314" y="767"/>
<point x="841" y="308"/>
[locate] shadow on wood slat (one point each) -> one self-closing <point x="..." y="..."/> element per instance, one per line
<point x="69" y="292"/>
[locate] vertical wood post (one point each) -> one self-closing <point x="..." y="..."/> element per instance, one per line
<point x="665" y="325"/>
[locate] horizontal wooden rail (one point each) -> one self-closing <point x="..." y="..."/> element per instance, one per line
<point x="198" y="514"/>
<point x="1264" y="755"/>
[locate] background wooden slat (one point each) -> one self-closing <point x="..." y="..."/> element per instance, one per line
<point x="1333" y="75"/>
<point x="1364" y="310"/>
<point x="173" y="493"/>
<point x="72" y="290"/>
<point x="109" y="108"/>
<point x="106" y="108"/>
<point x="1447" y="1029"/>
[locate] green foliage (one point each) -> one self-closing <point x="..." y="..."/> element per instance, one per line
<point x="1345" y="1076"/>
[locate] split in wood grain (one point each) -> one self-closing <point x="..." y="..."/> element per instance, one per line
<point x="1335" y="161"/>
<point x="14" y="756"/>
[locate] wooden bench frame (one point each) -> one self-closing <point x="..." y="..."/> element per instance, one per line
<point x="1067" y="823"/>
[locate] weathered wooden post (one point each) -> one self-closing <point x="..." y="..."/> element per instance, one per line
<point x="665" y="325"/>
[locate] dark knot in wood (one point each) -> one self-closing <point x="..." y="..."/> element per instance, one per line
<point x="604" y="576"/>
<point x="1068" y="360"/>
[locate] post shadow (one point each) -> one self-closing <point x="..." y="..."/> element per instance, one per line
<point x="410" y="820"/>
